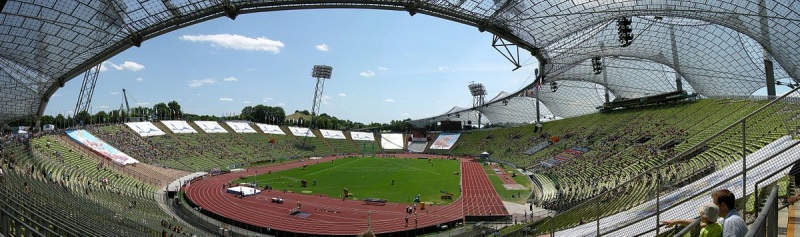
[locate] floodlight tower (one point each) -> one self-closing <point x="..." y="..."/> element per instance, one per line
<point x="87" y="90"/>
<point x="321" y="73"/>
<point x="478" y="92"/>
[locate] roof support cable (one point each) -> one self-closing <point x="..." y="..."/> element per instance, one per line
<point x="513" y="57"/>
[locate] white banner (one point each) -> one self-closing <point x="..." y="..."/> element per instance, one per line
<point x="179" y="126"/>
<point x="445" y="141"/>
<point x="332" y="134"/>
<point x="392" y="141"/>
<point x="301" y="132"/>
<point x="363" y="136"/>
<point x="145" y="129"/>
<point x="210" y="126"/>
<point x="101" y="147"/>
<point x="270" y="129"/>
<point x="240" y="127"/>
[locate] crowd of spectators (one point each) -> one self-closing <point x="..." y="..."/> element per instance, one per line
<point x="139" y="149"/>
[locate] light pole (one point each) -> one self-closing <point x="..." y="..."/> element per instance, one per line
<point x="320" y="72"/>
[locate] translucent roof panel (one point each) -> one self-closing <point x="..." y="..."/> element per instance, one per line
<point x="460" y="114"/>
<point x="712" y="58"/>
<point x="774" y="25"/>
<point x="45" y="43"/>
<point x="513" y="110"/>
<point x="573" y="98"/>
<point x="627" y="77"/>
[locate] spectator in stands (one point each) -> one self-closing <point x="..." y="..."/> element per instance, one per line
<point x="732" y="225"/>
<point x="708" y="219"/>
<point x="1" y="172"/>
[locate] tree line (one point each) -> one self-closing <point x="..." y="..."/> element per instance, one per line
<point x="172" y="111"/>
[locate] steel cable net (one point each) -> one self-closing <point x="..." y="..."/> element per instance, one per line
<point x="502" y="110"/>
<point x="509" y="111"/>
<point x="47" y="43"/>
<point x="774" y="24"/>
<point x="463" y="115"/>
<point x="712" y="58"/>
<point x="572" y="98"/>
<point x="627" y="77"/>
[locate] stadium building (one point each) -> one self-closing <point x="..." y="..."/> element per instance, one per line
<point x="639" y="111"/>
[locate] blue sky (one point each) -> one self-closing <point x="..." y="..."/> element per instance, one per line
<point x="386" y="65"/>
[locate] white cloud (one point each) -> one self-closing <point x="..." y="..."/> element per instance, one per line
<point x="443" y="68"/>
<point x="267" y="99"/>
<point x="115" y="93"/>
<point x="131" y="66"/>
<point x="342" y="95"/>
<point x="382" y="68"/>
<point x="143" y="103"/>
<point x="389" y="100"/>
<point x="322" y="47"/>
<point x="405" y="114"/>
<point x="246" y="102"/>
<point x="281" y="104"/>
<point x="367" y="74"/>
<point x="56" y="95"/>
<point x="127" y="65"/>
<point x="225" y="99"/>
<point x="230" y="79"/>
<point x="103" y="107"/>
<point x="139" y="79"/>
<point x="199" y="83"/>
<point x="237" y="42"/>
<point x="326" y="99"/>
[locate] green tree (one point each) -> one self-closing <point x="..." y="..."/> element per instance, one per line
<point x="175" y="109"/>
<point x="162" y="111"/>
<point x="101" y="117"/>
<point x="83" y="117"/>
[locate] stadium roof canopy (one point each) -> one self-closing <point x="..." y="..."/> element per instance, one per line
<point x="714" y="46"/>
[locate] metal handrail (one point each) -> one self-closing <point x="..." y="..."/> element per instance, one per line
<point x="688" y="228"/>
<point x="679" y="156"/>
<point x="757" y="228"/>
<point x="710" y="187"/>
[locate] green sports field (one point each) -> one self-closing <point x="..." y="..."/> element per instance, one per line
<point x="370" y="178"/>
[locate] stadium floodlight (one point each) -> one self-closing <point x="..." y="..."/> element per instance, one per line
<point x="624" y="30"/>
<point x="597" y="65"/>
<point x="477" y="89"/>
<point x="478" y="92"/>
<point x="553" y="86"/>
<point x="322" y="71"/>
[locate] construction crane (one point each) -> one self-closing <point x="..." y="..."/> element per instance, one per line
<point x="127" y="106"/>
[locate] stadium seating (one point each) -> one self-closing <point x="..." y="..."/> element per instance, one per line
<point x="588" y="148"/>
<point x="685" y="123"/>
<point x="74" y="195"/>
<point x="341" y="146"/>
<point x="417" y="146"/>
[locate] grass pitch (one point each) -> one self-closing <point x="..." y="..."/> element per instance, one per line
<point x="370" y="178"/>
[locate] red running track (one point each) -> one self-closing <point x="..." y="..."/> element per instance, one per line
<point x="478" y="195"/>
<point x="332" y="216"/>
<point x="503" y="175"/>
